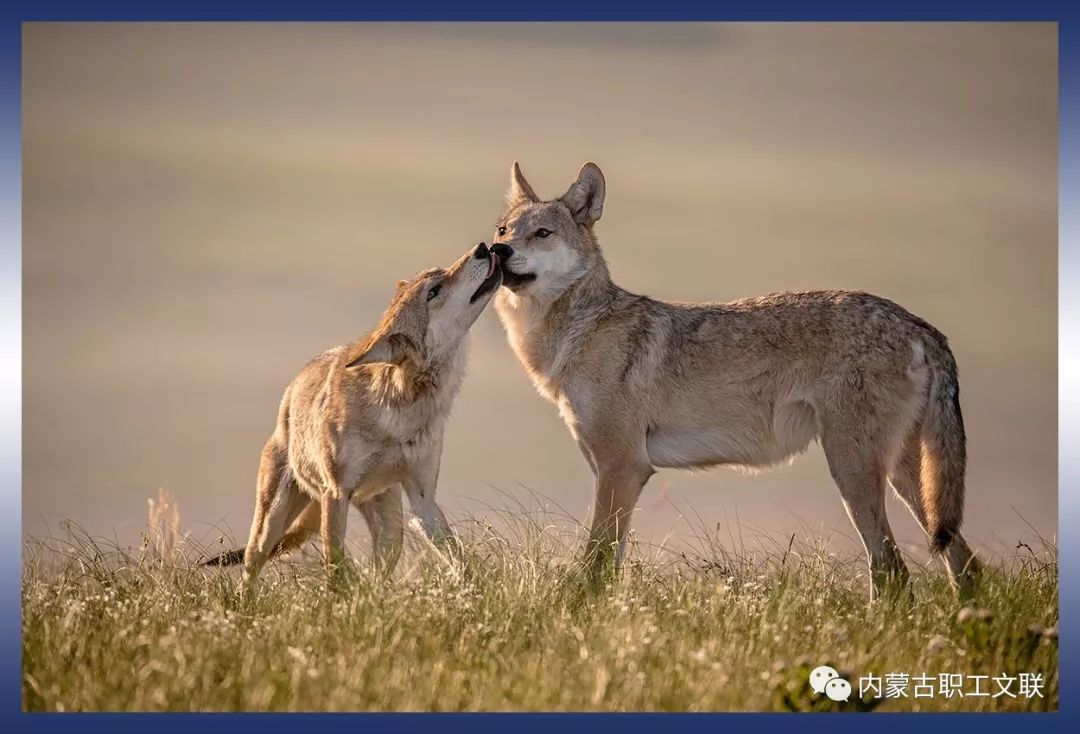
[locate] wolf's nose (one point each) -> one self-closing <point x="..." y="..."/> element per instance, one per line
<point x="481" y="252"/>
<point x="503" y="251"/>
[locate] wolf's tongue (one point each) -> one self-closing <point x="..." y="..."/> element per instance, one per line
<point x="493" y="262"/>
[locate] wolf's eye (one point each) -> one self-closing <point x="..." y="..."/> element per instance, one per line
<point x="501" y="230"/>
<point x="542" y="233"/>
<point x="433" y="292"/>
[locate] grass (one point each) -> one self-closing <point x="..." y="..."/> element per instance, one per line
<point x="108" y="629"/>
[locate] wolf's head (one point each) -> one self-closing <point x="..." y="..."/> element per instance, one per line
<point x="431" y="313"/>
<point x="546" y="246"/>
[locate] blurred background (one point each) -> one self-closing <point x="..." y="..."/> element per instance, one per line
<point x="205" y="207"/>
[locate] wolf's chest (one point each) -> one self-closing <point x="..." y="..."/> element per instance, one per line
<point x="545" y="359"/>
<point x="412" y="422"/>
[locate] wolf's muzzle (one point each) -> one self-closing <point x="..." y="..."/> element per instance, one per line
<point x="504" y="251"/>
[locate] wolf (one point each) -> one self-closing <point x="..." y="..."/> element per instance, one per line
<point x="363" y="420"/>
<point x="643" y="384"/>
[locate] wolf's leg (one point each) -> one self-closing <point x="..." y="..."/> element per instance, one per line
<point x="383" y="515"/>
<point x="905" y="479"/>
<point x="856" y="467"/>
<point x="620" y="462"/>
<point x="278" y="503"/>
<point x="420" y="482"/>
<point x="335" y="515"/>
<point x="303" y="527"/>
<point x="587" y="454"/>
<point x="617" y="492"/>
<point x="421" y="491"/>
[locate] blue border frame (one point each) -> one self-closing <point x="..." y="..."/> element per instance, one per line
<point x="551" y="10"/>
<point x="554" y="10"/>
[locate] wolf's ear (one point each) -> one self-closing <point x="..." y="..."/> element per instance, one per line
<point x="393" y="348"/>
<point x="519" y="192"/>
<point x="585" y="197"/>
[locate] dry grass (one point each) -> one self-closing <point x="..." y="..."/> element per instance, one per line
<point x="107" y="629"/>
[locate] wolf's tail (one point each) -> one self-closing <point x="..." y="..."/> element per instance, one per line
<point x="944" y="453"/>
<point x="228" y="558"/>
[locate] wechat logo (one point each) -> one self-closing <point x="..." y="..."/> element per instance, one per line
<point x="824" y="679"/>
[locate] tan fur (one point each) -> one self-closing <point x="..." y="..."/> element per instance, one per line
<point x="360" y="420"/>
<point x="643" y="384"/>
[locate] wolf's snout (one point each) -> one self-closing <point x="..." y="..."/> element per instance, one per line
<point x="481" y="252"/>
<point x="502" y="250"/>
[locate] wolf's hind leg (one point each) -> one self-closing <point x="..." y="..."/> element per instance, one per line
<point x="857" y="470"/>
<point x="905" y="479"/>
<point x="302" y="528"/>
<point x="384" y="518"/>
<point x="278" y="503"/>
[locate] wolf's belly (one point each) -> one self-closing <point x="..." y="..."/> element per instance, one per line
<point x="753" y="441"/>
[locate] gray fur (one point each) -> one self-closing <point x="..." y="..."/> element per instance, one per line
<point x="643" y="384"/>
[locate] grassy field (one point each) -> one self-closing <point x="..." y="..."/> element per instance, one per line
<point x="707" y="630"/>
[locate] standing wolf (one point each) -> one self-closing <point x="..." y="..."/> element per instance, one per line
<point x="644" y="384"/>
<point x="362" y="418"/>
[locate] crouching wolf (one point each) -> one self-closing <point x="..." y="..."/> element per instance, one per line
<point x="362" y="420"/>
<point x="643" y="384"/>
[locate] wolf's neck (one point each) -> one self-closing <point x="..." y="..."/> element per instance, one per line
<point x="547" y="336"/>
<point x="405" y="385"/>
<point x="589" y="298"/>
